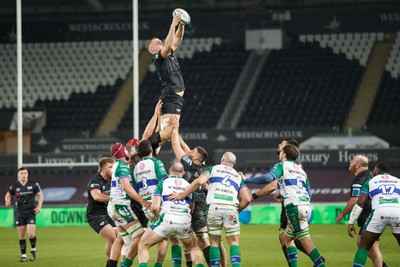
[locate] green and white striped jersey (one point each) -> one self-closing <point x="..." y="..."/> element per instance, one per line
<point x="225" y="184"/>
<point x="169" y="186"/>
<point x="120" y="170"/>
<point x="384" y="190"/>
<point x="293" y="183"/>
<point x="147" y="173"/>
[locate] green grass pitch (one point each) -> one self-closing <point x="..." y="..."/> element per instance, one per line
<point x="81" y="246"/>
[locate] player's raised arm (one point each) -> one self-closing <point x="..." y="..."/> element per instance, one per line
<point x="170" y="39"/>
<point x="175" y="139"/>
<point x="151" y="125"/>
<point x="202" y="179"/>
<point x="179" y="36"/>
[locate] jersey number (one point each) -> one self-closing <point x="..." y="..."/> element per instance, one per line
<point x="299" y="182"/>
<point x="180" y="202"/>
<point x="387" y="189"/>
<point x="144" y="182"/>
<point x="226" y="181"/>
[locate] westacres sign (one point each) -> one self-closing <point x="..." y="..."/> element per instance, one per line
<point x="210" y="139"/>
<point x="263" y="158"/>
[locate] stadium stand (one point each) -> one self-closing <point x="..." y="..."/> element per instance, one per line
<point x="393" y="64"/>
<point x="386" y="109"/>
<point x="315" y="86"/>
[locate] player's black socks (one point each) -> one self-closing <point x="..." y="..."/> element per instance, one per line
<point x="22" y="246"/>
<point x="299" y="246"/>
<point x="189" y="264"/>
<point x="33" y="242"/>
<point x="284" y="253"/>
<point x="384" y="264"/>
<point x="112" y="263"/>
<point x="206" y="252"/>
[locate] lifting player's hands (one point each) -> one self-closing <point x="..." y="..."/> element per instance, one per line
<point x="175" y="196"/>
<point x="8" y="202"/>
<point x="351" y="230"/>
<point x="174" y="121"/>
<point x="157" y="109"/>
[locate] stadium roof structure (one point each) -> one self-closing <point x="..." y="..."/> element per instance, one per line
<point x="109" y="9"/>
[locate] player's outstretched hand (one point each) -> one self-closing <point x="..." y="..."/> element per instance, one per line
<point x="351" y="230"/>
<point x="175" y="21"/>
<point x="36" y="210"/>
<point x="174" y="121"/>
<point x="175" y="196"/>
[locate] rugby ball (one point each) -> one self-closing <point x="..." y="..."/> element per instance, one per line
<point x="182" y="14"/>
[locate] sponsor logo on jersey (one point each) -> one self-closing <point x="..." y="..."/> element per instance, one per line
<point x="178" y="182"/>
<point x="102" y="223"/>
<point x="29" y="187"/>
<point x="142" y="165"/>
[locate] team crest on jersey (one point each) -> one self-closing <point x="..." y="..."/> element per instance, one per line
<point x="142" y="166"/>
<point x="178" y="182"/>
<point x="385" y="177"/>
<point x="18" y="189"/>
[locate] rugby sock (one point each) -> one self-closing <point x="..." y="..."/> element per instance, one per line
<point x="200" y="265"/>
<point x="360" y="258"/>
<point x="299" y="246"/>
<point x="112" y="263"/>
<point x="22" y="246"/>
<point x="158" y="264"/>
<point x="284" y="253"/>
<point x="206" y="252"/>
<point x="126" y="263"/>
<point x="292" y="256"/>
<point x="176" y="252"/>
<point x="143" y="265"/>
<point x="235" y="256"/>
<point x="33" y="243"/>
<point x="189" y="263"/>
<point x="215" y="256"/>
<point x="316" y="258"/>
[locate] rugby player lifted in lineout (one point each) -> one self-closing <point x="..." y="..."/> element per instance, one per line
<point x="168" y="70"/>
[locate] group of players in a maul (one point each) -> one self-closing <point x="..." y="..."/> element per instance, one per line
<point x="192" y="203"/>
